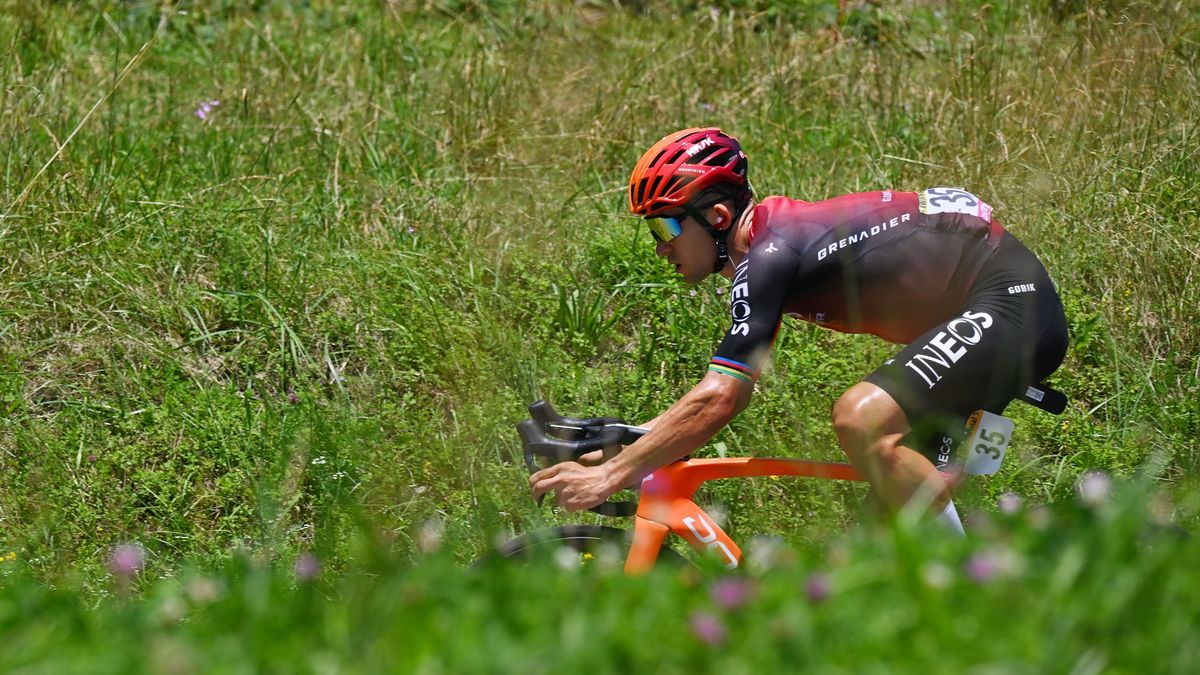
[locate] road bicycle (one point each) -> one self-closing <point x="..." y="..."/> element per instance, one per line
<point x="666" y="506"/>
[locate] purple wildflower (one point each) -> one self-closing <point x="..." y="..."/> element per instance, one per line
<point x="306" y="567"/>
<point x="817" y="587"/>
<point x="126" y="560"/>
<point x="429" y="537"/>
<point x="1009" y="503"/>
<point x="206" y="107"/>
<point x="293" y="398"/>
<point x="982" y="567"/>
<point x="1093" y="488"/>
<point x="692" y="293"/>
<point x="708" y="628"/>
<point x="730" y="593"/>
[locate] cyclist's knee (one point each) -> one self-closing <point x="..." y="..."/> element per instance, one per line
<point x="848" y="417"/>
<point x="866" y="412"/>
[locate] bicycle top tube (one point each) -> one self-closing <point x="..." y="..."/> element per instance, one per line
<point x="666" y="504"/>
<point x="681" y="479"/>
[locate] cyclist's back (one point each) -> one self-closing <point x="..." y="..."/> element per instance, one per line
<point x="873" y="262"/>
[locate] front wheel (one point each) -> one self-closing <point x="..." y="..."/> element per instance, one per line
<point x="572" y="544"/>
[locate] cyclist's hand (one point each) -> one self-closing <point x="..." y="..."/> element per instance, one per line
<point x="598" y="457"/>
<point x="576" y="486"/>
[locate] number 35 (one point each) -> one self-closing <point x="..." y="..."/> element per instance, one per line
<point x="995" y="438"/>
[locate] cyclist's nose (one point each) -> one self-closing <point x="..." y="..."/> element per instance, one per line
<point x="661" y="248"/>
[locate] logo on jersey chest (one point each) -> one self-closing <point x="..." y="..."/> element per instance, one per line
<point x="739" y="303"/>
<point x="949" y="346"/>
<point x="866" y="233"/>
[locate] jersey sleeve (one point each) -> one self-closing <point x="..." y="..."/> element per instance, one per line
<point x="760" y="287"/>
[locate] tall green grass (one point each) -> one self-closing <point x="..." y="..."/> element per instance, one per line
<point x="319" y="311"/>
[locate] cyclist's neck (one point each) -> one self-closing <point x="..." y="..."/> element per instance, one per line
<point x="739" y="240"/>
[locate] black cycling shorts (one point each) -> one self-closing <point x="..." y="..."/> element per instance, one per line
<point x="1010" y="333"/>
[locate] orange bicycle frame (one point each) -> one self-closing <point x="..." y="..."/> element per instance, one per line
<point x="666" y="504"/>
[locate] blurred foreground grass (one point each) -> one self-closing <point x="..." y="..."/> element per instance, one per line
<point x="1097" y="586"/>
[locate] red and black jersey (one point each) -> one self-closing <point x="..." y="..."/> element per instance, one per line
<point x="893" y="264"/>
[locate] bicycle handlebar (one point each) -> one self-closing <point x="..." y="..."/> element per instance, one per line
<point x="572" y="438"/>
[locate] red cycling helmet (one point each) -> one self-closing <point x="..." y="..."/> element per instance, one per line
<point x="682" y="166"/>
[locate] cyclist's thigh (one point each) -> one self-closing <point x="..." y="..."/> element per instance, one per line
<point x="1010" y="333"/>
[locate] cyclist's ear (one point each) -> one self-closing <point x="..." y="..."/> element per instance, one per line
<point x="722" y="217"/>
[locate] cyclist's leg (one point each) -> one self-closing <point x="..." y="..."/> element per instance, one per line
<point x="899" y="423"/>
<point x="873" y="429"/>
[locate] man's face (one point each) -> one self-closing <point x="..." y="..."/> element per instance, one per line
<point x="691" y="252"/>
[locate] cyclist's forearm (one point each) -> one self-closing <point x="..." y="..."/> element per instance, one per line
<point x="687" y="425"/>
<point x="651" y="423"/>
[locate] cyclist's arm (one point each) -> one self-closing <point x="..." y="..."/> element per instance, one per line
<point x="760" y="285"/>
<point x="684" y="427"/>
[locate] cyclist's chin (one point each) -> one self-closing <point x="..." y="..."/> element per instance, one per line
<point x="689" y="276"/>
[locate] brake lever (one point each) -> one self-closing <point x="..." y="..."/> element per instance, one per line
<point x="568" y="428"/>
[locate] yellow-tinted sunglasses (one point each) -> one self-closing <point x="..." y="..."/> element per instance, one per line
<point x="664" y="228"/>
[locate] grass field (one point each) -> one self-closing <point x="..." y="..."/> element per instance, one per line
<point x="278" y="279"/>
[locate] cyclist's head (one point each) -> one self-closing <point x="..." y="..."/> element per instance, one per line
<point x="686" y="173"/>
<point x="683" y="167"/>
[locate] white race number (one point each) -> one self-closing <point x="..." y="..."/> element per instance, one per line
<point x="953" y="200"/>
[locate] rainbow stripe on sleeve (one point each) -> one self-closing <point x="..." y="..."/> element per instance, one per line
<point x="732" y="368"/>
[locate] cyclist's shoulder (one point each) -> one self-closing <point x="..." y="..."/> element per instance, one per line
<point x="837" y="208"/>
<point x="801" y="223"/>
<point x="779" y="216"/>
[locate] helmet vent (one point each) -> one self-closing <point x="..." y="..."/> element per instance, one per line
<point x="673" y="183"/>
<point x="654" y="184"/>
<point x="702" y="156"/>
<point x="641" y="190"/>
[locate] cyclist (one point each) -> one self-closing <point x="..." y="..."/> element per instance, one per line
<point x="931" y="270"/>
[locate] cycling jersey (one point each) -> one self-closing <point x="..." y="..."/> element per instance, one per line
<point x="931" y="270"/>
